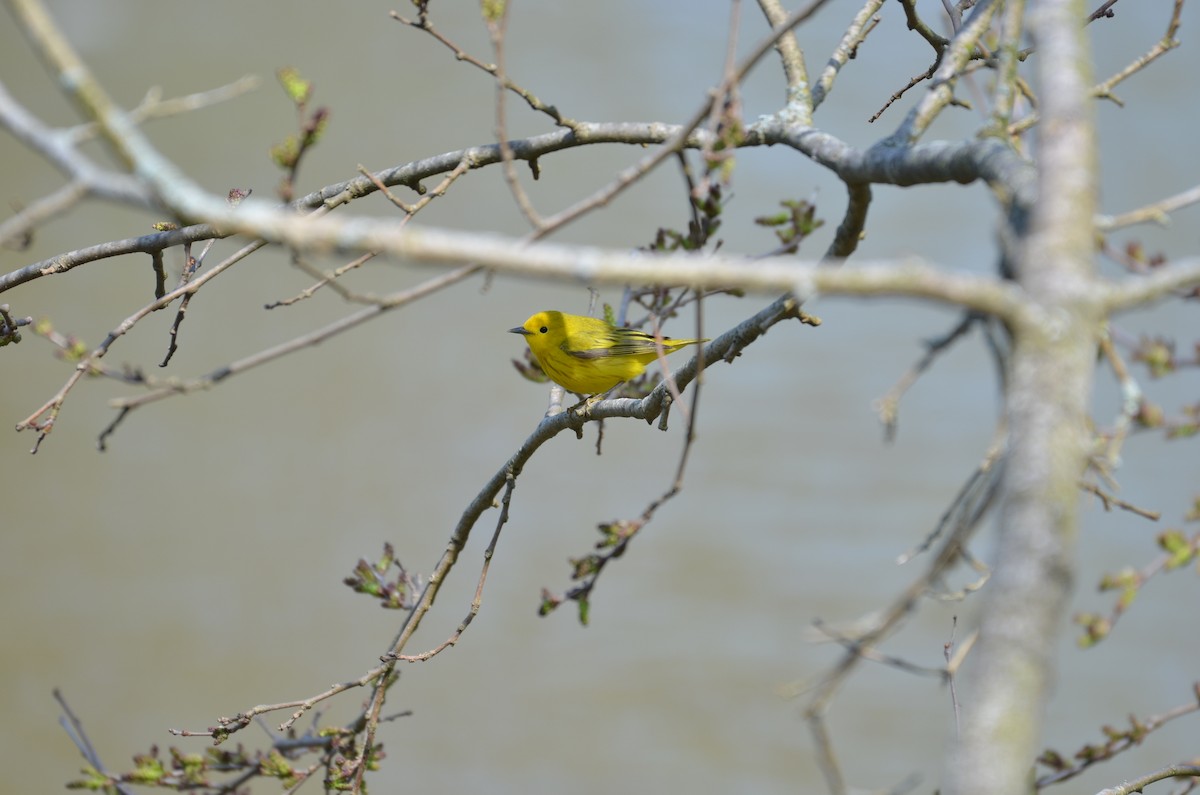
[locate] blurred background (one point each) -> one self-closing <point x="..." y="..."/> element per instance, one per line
<point x="194" y="569"/>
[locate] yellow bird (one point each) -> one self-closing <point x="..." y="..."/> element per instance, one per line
<point x="588" y="355"/>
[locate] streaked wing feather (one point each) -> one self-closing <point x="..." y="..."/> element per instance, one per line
<point x="610" y="342"/>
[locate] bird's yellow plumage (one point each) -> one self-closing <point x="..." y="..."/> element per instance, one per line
<point x="588" y="355"/>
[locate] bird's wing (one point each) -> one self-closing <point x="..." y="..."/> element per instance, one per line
<point x="602" y="343"/>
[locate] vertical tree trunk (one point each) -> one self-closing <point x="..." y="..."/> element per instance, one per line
<point x="1009" y="682"/>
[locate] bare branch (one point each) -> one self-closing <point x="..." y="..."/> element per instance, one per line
<point x="382" y="305"/>
<point x="1118" y="742"/>
<point x="799" y="99"/>
<point x="862" y="24"/>
<point x="1167" y="43"/>
<point x="1139" y="784"/>
<point x="1157" y="212"/>
<point x="962" y="47"/>
<point x="1139" y="290"/>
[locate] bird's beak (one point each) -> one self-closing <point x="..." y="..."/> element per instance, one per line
<point x="519" y="330"/>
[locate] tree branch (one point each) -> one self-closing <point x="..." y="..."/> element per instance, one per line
<point x="1137" y="291"/>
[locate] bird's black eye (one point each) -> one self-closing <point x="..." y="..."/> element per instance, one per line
<point x="543" y="329"/>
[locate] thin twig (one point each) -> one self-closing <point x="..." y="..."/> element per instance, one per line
<point x="888" y="406"/>
<point x="43" y="419"/>
<point x="971" y="501"/>
<point x="1139" y="784"/>
<point x="868" y="652"/>
<point x="856" y="33"/>
<point x="74" y="728"/>
<point x="955" y="57"/>
<point x="1157" y="212"/>
<point x="536" y="104"/>
<point x="55" y="205"/>
<point x="1112" y="747"/>
<point x="329" y="279"/>
<point x="968" y="513"/>
<point x="384" y="304"/>
<point x="153" y="106"/>
<point x="497" y="30"/>
<point x="477" y="602"/>
<point x="1109" y="500"/>
<point x="1167" y="43"/>
<point x="947" y="653"/>
<point x="680" y="139"/>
